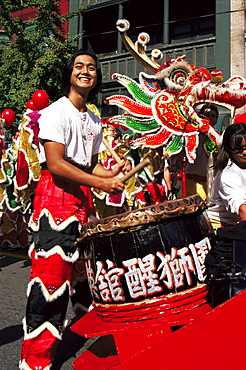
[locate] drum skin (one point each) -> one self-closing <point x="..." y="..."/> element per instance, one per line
<point x="152" y="257"/>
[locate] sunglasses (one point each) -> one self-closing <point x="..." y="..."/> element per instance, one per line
<point x="239" y="149"/>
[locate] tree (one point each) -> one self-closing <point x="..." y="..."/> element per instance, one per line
<point x="36" y="52"/>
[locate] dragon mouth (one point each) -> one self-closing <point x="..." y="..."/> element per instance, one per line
<point x="227" y="97"/>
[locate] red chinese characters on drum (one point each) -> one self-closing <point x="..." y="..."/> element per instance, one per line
<point x="149" y="275"/>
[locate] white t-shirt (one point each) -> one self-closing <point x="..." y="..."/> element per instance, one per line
<point x="81" y="133"/>
<point x="229" y="194"/>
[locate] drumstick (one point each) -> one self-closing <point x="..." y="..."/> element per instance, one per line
<point x="111" y="150"/>
<point x="138" y="167"/>
<point x="129" y="174"/>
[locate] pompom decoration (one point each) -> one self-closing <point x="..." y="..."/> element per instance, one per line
<point x="156" y="54"/>
<point x="217" y="76"/>
<point x="9" y="117"/>
<point x="31" y="105"/>
<point x="123" y="25"/>
<point x="40" y="99"/>
<point x="143" y="38"/>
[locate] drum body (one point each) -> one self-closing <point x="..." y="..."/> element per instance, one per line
<point x="148" y="262"/>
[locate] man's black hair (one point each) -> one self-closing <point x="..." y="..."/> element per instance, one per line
<point x="211" y="107"/>
<point x="66" y="75"/>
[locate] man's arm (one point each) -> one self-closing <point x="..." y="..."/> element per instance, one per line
<point x="167" y="178"/>
<point x="242" y="212"/>
<point x="58" y="166"/>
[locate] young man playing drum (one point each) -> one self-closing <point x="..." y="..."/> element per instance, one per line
<point x="70" y="136"/>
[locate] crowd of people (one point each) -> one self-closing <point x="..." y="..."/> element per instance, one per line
<point x="71" y="138"/>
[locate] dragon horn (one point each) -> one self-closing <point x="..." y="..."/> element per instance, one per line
<point x="137" y="50"/>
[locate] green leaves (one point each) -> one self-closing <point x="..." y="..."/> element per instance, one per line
<point x="36" y="53"/>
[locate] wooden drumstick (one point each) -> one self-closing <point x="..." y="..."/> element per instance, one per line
<point x="117" y="159"/>
<point x="138" y="167"/>
<point x="111" y="150"/>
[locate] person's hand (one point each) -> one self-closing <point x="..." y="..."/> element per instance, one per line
<point x="121" y="169"/>
<point x="170" y="195"/>
<point x="112" y="185"/>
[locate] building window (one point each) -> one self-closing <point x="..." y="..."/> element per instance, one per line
<point x="100" y="24"/>
<point x="145" y="16"/>
<point x="100" y="33"/>
<point x="191" y="20"/>
<point x="187" y="21"/>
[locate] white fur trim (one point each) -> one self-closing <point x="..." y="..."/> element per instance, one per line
<point x="165" y="72"/>
<point x="58" y="250"/>
<point x="45" y="326"/>
<point x="47" y="296"/>
<point x="23" y="366"/>
<point x="171" y="85"/>
<point x="52" y="223"/>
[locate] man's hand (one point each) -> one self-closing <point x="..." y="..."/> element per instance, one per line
<point x="121" y="169"/>
<point x="112" y="185"/>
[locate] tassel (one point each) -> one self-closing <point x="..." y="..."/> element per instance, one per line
<point x="210" y="177"/>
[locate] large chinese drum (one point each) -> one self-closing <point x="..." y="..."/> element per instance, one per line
<point x="149" y="263"/>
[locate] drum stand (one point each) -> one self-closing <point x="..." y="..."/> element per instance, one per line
<point x="212" y="340"/>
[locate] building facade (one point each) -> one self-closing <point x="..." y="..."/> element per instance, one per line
<point x="211" y="34"/>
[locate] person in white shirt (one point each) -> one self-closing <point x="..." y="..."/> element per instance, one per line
<point x="228" y="201"/>
<point x="70" y="136"/>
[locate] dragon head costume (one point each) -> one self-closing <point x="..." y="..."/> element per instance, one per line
<point x="163" y="105"/>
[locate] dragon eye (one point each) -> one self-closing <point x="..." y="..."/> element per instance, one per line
<point x="178" y="76"/>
